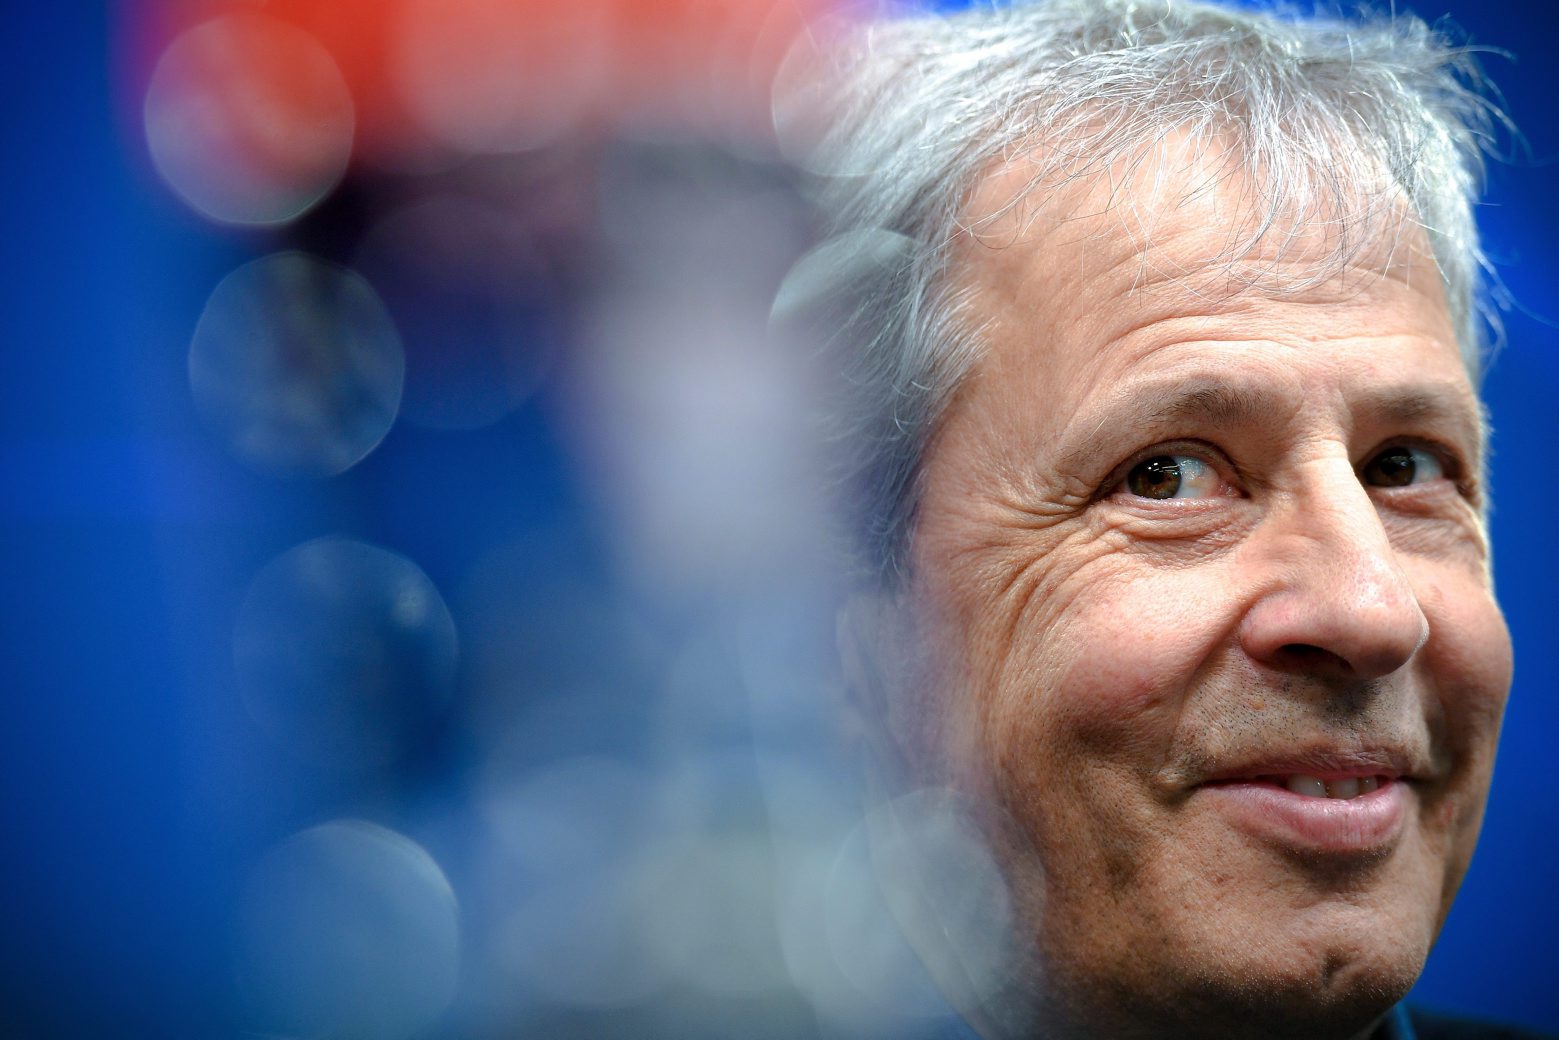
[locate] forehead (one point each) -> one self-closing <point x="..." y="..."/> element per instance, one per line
<point x="1188" y="215"/>
<point x="1176" y="254"/>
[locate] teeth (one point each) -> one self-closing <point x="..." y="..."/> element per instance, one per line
<point x="1348" y="787"/>
<point x="1306" y="785"/>
<point x="1313" y="787"/>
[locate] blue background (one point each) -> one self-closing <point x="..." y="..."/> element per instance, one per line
<point x="131" y="796"/>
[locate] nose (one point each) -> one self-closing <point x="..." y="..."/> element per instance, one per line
<point x="1336" y="600"/>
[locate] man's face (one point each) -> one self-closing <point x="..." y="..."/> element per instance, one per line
<point x="1203" y="596"/>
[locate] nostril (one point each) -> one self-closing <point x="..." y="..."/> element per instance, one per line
<point x="1308" y="657"/>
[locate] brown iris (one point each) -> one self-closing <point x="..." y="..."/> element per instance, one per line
<point x="1158" y="477"/>
<point x="1394" y="467"/>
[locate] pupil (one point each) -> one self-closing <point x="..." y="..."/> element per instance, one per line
<point x="1393" y="469"/>
<point x="1155" y="478"/>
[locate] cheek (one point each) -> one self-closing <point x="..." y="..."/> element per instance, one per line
<point x="1469" y="663"/>
<point x="1088" y="711"/>
<point x="1112" y="671"/>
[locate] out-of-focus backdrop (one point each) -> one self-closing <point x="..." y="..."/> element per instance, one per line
<point x="415" y="582"/>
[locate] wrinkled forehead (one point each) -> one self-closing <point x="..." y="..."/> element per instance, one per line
<point x="1188" y="217"/>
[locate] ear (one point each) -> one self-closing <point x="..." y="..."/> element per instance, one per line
<point x="876" y="666"/>
<point x="856" y="636"/>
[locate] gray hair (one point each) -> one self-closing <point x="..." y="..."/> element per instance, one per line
<point x="1337" y="122"/>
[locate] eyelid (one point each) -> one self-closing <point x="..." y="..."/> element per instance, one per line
<point x="1452" y="465"/>
<point x="1454" y="469"/>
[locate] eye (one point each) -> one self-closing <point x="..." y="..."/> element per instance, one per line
<point x="1402" y="465"/>
<point x="1172" y="476"/>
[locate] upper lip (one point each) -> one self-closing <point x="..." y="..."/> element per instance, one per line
<point x="1321" y="763"/>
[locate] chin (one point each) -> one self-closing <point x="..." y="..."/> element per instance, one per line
<point x="1326" y="972"/>
<point x="1341" y="999"/>
<point x="1337" y="993"/>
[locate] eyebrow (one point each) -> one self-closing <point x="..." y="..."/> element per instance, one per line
<point x="1216" y="403"/>
<point x="1156" y="407"/>
<point x="1419" y="404"/>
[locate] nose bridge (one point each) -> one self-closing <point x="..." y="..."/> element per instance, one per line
<point x="1339" y="585"/>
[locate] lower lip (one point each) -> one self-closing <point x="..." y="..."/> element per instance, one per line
<point x="1368" y="823"/>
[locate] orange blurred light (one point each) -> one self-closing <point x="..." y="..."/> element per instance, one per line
<point x="248" y="119"/>
<point x="456" y="77"/>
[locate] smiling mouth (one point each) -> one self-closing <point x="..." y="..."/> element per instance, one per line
<point x="1342" y="814"/>
<point x="1344" y="787"/>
